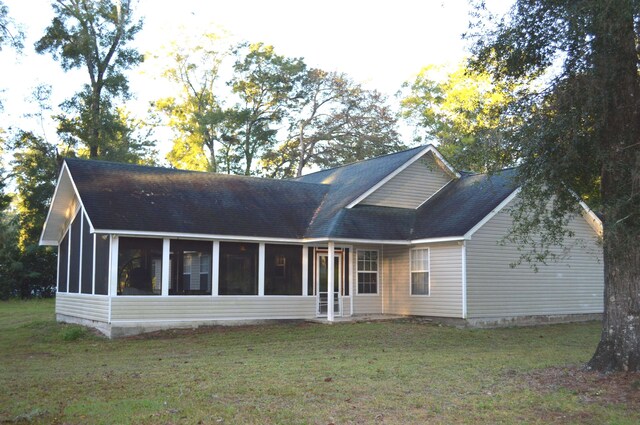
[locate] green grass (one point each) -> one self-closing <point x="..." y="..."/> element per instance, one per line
<point x="385" y="372"/>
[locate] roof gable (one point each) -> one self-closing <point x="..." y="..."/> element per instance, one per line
<point x="411" y="187"/>
<point x="63" y="207"/>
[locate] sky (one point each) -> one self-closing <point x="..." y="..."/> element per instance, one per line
<point x="378" y="43"/>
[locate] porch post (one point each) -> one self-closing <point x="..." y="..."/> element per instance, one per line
<point x="166" y="251"/>
<point x="113" y="269"/>
<point x="215" y="265"/>
<point x="330" y="281"/>
<point x="305" y="271"/>
<point x="261" y="260"/>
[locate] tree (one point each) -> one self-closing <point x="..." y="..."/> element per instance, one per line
<point x="582" y="130"/>
<point x="10" y="33"/>
<point x="265" y="84"/>
<point x="466" y="113"/>
<point x="35" y="168"/>
<point x="93" y="35"/>
<point x="332" y="121"/>
<point x="195" y="115"/>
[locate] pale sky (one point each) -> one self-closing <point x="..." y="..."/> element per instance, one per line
<point x="378" y="43"/>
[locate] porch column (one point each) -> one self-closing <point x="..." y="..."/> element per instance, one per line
<point x="261" y="259"/>
<point x="113" y="269"/>
<point x="215" y="264"/>
<point x="305" y="271"/>
<point x="330" y="281"/>
<point x="166" y="251"/>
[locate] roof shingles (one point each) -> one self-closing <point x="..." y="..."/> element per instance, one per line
<point x="125" y="197"/>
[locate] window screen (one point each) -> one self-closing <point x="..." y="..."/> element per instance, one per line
<point x="190" y="268"/>
<point x="140" y="266"/>
<point x="87" y="258"/>
<point x="283" y="270"/>
<point x="238" y="269"/>
<point x="63" y="263"/>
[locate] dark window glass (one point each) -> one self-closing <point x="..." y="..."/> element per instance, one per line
<point x="63" y="263"/>
<point x="310" y="276"/>
<point x="74" y="254"/>
<point x="140" y="266"/>
<point x="190" y="268"/>
<point x="283" y="270"/>
<point x="102" y="264"/>
<point x="238" y="269"/>
<point x="87" y="258"/>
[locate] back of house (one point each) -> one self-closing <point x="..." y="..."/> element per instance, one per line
<point x="143" y="248"/>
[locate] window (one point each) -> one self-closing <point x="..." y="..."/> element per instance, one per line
<point x="190" y="268"/>
<point x="367" y="272"/>
<point x="238" y="269"/>
<point x="140" y="266"/>
<point x="420" y="271"/>
<point x="283" y="270"/>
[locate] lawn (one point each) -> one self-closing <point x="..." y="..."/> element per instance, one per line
<point x="398" y="372"/>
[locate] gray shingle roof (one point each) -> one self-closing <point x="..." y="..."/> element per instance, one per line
<point x="137" y="198"/>
<point x="130" y="197"/>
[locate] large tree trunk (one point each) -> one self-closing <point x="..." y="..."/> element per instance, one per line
<point x="616" y="73"/>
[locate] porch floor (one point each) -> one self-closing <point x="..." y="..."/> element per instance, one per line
<point x="358" y="318"/>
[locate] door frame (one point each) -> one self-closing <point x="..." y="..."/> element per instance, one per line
<point x="316" y="280"/>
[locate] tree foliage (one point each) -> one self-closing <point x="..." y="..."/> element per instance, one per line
<point x="94" y="36"/>
<point x="274" y="116"/>
<point x="10" y="33"/>
<point x="467" y="113"/>
<point x="581" y="130"/>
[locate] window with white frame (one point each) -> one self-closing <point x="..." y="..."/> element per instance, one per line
<point x="367" y="272"/>
<point x="420" y="271"/>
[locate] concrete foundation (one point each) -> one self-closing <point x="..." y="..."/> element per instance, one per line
<point x="119" y="330"/>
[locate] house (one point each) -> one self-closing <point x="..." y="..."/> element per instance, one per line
<point x="143" y="248"/>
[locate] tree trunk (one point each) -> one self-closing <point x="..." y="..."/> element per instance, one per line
<point x="615" y="68"/>
<point x="95" y="123"/>
<point x="301" y="152"/>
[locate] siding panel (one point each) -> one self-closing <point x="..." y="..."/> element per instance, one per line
<point x="412" y="186"/>
<point x="181" y="308"/>
<point x="445" y="299"/>
<point x="494" y="289"/>
<point x="91" y="307"/>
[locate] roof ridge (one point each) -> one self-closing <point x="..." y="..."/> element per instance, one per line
<point x="364" y="160"/>
<point x="180" y="170"/>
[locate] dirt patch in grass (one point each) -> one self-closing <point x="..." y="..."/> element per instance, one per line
<point x="590" y="387"/>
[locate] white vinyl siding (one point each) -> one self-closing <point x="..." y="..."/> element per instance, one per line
<point x="494" y="289"/>
<point x="84" y="306"/>
<point x="230" y="307"/>
<point x="412" y="186"/>
<point x="445" y="299"/>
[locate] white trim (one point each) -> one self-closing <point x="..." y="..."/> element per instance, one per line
<point x="357" y="241"/>
<point x="377" y="273"/>
<point x="180" y="235"/>
<point x="489" y="216"/>
<point x="437" y="240"/>
<point x="381" y="269"/>
<point x="261" y="268"/>
<point x="429" y="148"/>
<point x="352" y="283"/>
<point x="55" y="192"/>
<point x="166" y="252"/>
<point x="68" y="254"/>
<point x="113" y="272"/>
<point x="64" y="168"/>
<point x="411" y="271"/>
<point x="595" y="222"/>
<point x="330" y="281"/>
<point x="110" y="273"/>
<point x="463" y="253"/>
<point x="58" y="269"/>
<point x="93" y="267"/>
<point x="215" y="268"/>
<point x="80" y="248"/>
<point x="305" y="271"/>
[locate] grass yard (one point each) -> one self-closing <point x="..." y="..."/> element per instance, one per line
<point x="366" y="373"/>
